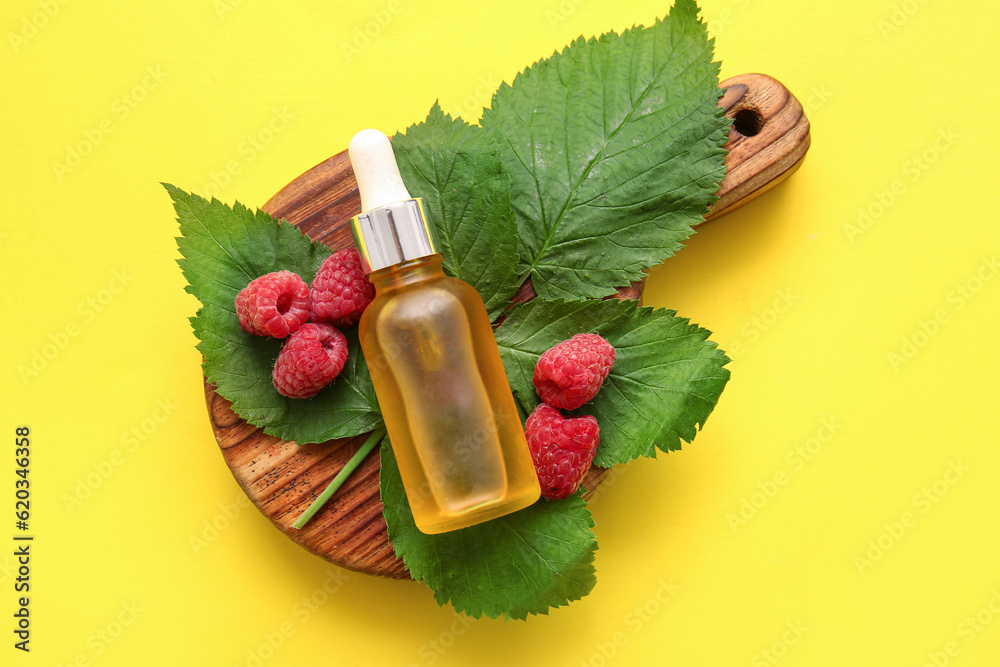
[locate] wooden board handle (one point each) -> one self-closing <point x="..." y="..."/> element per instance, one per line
<point x="767" y="142"/>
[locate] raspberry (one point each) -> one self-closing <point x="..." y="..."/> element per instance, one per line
<point x="309" y="360"/>
<point x="571" y="373"/>
<point x="562" y="449"/>
<point x="341" y="291"/>
<point x="276" y="304"/>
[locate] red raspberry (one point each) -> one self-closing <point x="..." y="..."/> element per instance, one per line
<point x="309" y="360"/>
<point x="561" y="448"/>
<point x="340" y="291"/>
<point x="571" y="373"/>
<point x="275" y="304"/>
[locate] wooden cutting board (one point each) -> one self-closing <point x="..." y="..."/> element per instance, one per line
<point x="768" y="140"/>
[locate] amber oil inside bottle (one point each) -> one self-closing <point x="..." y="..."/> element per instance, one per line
<point x="444" y="395"/>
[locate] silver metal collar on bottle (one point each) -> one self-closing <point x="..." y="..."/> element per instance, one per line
<point x="394" y="233"/>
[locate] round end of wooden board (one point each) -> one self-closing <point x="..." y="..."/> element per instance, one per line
<point x="282" y="478"/>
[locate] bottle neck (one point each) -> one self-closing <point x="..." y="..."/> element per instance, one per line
<point x="406" y="273"/>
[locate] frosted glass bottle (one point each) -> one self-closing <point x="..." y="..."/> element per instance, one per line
<point x="434" y="362"/>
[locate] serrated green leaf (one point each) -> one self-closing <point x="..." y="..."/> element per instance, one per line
<point x="524" y="563"/>
<point x="223" y="249"/>
<point x="458" y="171"/>
<point x="614" y="147"/>
<point x="666" y="379"/>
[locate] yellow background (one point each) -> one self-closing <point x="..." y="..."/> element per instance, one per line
<point x="738" y="550"/>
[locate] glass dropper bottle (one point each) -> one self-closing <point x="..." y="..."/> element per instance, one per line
<point x="448" y="408"/>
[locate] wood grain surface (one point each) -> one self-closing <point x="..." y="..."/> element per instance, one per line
<point x="768" y="140"/>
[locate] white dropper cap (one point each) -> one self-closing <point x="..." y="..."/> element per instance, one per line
<point x="392" y="226"/>
<point x="376" y="170"/>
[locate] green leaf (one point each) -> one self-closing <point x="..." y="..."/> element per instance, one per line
<point x="223" y="249"/>
<point x="666" y="379"/>
<point x="614" y="147"/>
<point x="458" y="171"/>
<point x="523" y="563"/>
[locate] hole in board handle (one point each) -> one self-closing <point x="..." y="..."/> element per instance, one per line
<point x="748" y="122"/>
